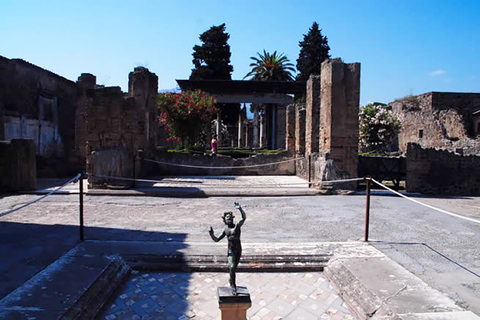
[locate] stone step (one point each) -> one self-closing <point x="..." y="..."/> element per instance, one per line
<point x="217" y="263"/>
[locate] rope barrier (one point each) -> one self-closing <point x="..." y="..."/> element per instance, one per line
<point x="228" y="167"/>
<point x="75" y="179"/>
<point x="342" y="180"/>
<point x="424" y="204"/>
<point x="249" y="185"/>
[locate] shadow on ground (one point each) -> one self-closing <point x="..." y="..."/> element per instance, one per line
<point x="26" y="249"/>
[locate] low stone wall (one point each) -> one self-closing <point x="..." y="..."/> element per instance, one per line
<point x="322" y="168"/>
<point x="17" y="165"/>
<point x="302" y="167"/>
<point x="173" y="164"/>
<point x="431" y="171"/>
<point x="382" y="168"/>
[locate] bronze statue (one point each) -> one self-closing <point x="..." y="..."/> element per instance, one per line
<point x="232" y="231"/>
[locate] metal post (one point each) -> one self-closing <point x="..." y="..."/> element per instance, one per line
<point x="80" y="181"/>
<point x="367" y="209"/>
<point x="309" y="168"/>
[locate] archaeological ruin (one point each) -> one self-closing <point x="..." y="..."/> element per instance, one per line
<point x="445" y="120"/>
<point x="84" y="127"/>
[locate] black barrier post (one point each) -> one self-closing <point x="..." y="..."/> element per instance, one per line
<point x="367" y="209"/>
<point x="309" y="168"/>
<point x="80" y="181"/>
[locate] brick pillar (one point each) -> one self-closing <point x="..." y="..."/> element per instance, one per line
<point x="300" y="129"/>
<point x="340" y="94"/>
<point x="290" y="128"/>
<point x="143" y="87"/>
<point x="85" y="84"/>
<point x="312" y="117"/>
<point x="281" y="127"/>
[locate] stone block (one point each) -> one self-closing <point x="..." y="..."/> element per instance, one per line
<point x="233" y="307"/>
<point x="18" y="165"/>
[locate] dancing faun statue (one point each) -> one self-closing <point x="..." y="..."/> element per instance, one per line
<point x="232" y="231"/>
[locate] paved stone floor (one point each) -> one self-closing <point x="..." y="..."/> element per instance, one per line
<point x="184" y="296"/>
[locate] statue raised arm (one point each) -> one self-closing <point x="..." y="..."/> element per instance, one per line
<point x="232" y="231"/>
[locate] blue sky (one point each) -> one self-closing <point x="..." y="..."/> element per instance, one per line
<point x="404" y="47"/>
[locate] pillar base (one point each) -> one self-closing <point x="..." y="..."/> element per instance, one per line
<point x="233" y="307"/>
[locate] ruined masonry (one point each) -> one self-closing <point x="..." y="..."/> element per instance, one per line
<point x="326" y="128"/>
<point x="84" y="127"/>
<point x="117" y="126"/>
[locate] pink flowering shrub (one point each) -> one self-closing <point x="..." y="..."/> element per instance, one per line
<point x="378" y="127"/>
<point x="186" y="115"/>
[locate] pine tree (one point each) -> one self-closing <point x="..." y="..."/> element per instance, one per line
<point x="212" y="58"/>
<point x="313" y="51"/>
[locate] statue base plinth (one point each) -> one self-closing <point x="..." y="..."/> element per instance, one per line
<point x="233" y="307"/>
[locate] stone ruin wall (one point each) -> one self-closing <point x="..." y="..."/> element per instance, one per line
<point x="246" y="166"/>
<point x="326" y="126"/>
<point x="431" y="171"/>
<point x="117" y="125"/>
<point x="39" y="105"/>
<point x="439" y="120"/>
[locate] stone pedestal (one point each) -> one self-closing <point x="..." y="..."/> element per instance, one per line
<point x="233" y="307"/>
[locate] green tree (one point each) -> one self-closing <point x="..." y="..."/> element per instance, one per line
<point x="378" y="127"/>
<point x="271" y="67"/>
<point x="212" y="62"/>
<point x="186" y="115"/>
<point x="313" y="51"/>
<point x="212" y="58"/>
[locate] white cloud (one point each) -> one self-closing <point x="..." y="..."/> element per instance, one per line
<point x="437" y="72"/>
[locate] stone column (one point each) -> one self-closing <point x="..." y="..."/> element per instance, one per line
<point x="264" y="126"/>
<point x="290" y="128"/>
<point x="312" y="117"/>
<point x="273" y="127"/>
<point x="281" y="126"/>
<point x="241" y="130"/>
<point x="300" y="129"/>
<point x="255" y="126"/>
<point x="340" y="94"/>
<point x="218" y="129"/>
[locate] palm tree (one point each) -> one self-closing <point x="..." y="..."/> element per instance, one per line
<point x="267" y="67"/>
<point x="271" y="67"/>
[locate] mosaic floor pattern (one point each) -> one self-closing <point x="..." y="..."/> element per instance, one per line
<point x="182" y="296"/>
